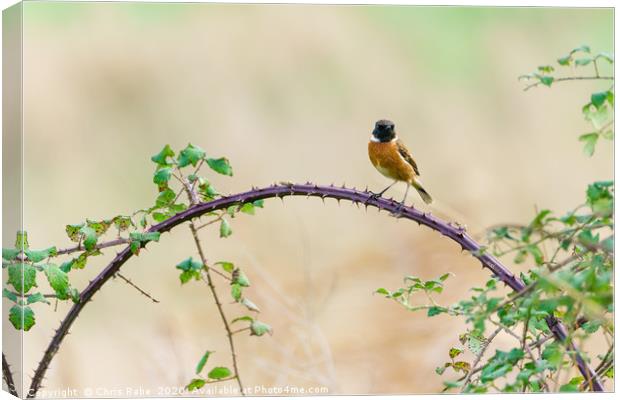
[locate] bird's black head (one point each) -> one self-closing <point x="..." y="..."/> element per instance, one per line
<point x="384" y="130"/>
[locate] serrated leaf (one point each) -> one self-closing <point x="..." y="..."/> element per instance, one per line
<point x="73" y="232"/>
<point x="122" y="222"/>
<point x="203" y="361"/>
<point x="22" y="318"/>
<point x="9" y="295"/>
<point x="165" y="198"/>
<point x="22" y="277"/>
<point x="258" y="328"/>
<point x="58" y="280"/>
<point x="90" y="237"/>
<point x="190" y="155"/>
<point x="40" y="255"/>
<point x="36" y="298"/>
<point x="220" y="165"/>
<point x="225" y="229"/>
<point x="162" y="176"/>
<point x="186" y="276"/>
<point x="454" y="352"/>
<point x="161" y="158"/>
<point x="219" y="373"/>
<point x="189" y="264"/>
<point x="100" y="227"/>
<point x="9" y="254"/>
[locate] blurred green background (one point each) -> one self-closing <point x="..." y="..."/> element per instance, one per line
<point x="291" y="93"/>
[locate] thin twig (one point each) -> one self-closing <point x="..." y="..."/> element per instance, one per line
<point x="193" y="198"/>
<point x="130" y="283"/>
<point x="479" y="357"/>
<point x="571" y="78"/>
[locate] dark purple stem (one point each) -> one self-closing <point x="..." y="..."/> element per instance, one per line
<point x="8" y="376"/>
<point x="366" y="198"/>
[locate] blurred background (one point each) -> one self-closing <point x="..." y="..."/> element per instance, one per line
<point x="291" y="93"/>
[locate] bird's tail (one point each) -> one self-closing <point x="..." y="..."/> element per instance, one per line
<point x="423" y="193"/>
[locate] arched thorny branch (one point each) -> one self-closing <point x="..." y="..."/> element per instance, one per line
<point x="453" y="231"/>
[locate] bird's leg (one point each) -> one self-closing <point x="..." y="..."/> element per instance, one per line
<point x="402" y="203"/>
<point x="375" y="195"/>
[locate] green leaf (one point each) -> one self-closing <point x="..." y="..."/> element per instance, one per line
<point x="564" y="60"/>
<point x="583" y="61"/>
<point x="454" y="352"/>
<point x="605" y="56"/>
<point x="383" y="291"/>
<point x="165" y="198"/>
<point x="247" y="208"/>
<point x="186" y="276"/>
<point x="235" y="291"/>
<point x="569" y="387"/>
<point x="9" y="295"/>
<point x="583" y="48"/>
<point x="21" y="317"/>
<point x="240" y="278"/>
<point x="140" y="239"/>
<point x="162" y="176"/>
<point x="100" y="227"/>
<point x="190" y="155"/>
<point x="40" y="255"/>
<point x="196" y="384"/>
<point x="58" y="280"/>
<point x="546" y="69"/>
<point x="189" y="264"/>
<point x="9" y="254"/>
<point x="244" y="318"/>
<point x="260" y="328"/>
<point x="203" y="361"/>
<point x="161" y="157"/>
<point x="259" y="203"/>
<point x="90" y="237"/>
<point x="226" y="266"/>
<point x="219" y="373"/>
<point x="73" y="231"/>
<point x="553" y="354"/>
<point x="436" y="310"/>
<point x="589" y="140"/>
<point x="122" y="222"/>
<point x="608" y="244"/>
<point x="220" y="165"/>
<point x="546" y="80"/>
<point x="225" y="229"/>
<point x="37" y="298"/>
<point x="22" y="276"/>
<point x="445" y="276"/>
<point x="598" y="99"/>
<point x="250" y="305"/>
<point x="21" y="241"/>
<point x="536" y="253"/>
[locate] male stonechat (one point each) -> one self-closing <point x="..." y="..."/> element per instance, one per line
<point x="390" y="157"/>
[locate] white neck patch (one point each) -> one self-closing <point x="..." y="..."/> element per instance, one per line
<point x="375" y="140"/>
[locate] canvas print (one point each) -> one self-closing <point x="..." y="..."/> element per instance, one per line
<point x="298" y="200"/>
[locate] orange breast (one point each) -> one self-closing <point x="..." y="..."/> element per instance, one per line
<point x="387" y="160"/>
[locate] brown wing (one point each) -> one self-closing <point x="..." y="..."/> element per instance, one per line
<point x="404" y="152"/>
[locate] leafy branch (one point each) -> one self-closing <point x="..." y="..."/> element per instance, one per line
<point x="361" y="198"/>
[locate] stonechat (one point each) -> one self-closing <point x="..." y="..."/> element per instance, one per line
<point x="390" y="157"/>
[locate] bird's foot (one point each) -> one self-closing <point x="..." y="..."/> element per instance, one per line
<point x="398" y="212"/>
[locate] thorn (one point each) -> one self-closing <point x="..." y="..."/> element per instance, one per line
<point x="343" y="185"/>
<point x="338" y="200"/>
